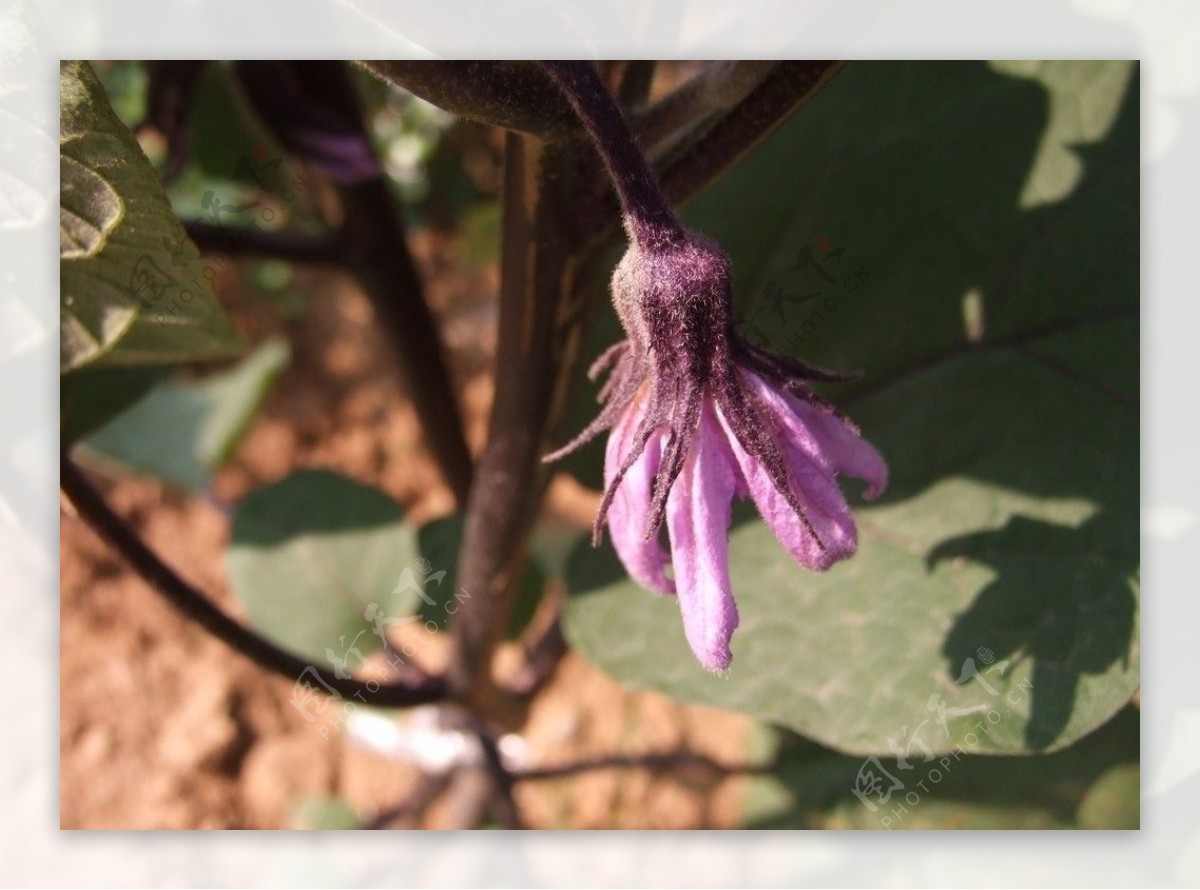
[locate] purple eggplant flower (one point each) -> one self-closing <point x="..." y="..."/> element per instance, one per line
<point x="698" y="415"/>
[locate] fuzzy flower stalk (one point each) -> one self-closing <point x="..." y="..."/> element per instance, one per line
<point x="697" y="415"/>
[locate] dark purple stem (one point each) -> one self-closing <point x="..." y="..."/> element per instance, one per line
<point x="312" y="107"/>
<point x="196" y="606"/>
<point x="648" y="217"/>
<point x="293" y="246"/>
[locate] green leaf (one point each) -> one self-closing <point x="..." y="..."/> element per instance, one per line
<point x="92" y="396"/>
<point x="808" y="786"/>
<point x="918" y="172"/>
<point x="439" y="542"/>
<point x="133" y="289"/>
<point x="318" y="812"/>
<point x="322" y="563"/>
<point x="999" y="344"/>
<point x="183" y="431"/>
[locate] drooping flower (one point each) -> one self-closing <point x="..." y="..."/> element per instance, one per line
<point x="698" y="416"/>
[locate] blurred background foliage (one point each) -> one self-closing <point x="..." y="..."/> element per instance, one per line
<point x="965" y="235"/>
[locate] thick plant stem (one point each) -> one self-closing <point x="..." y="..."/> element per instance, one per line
<point x="539" y="336"/>
<point x="92" y="508"/>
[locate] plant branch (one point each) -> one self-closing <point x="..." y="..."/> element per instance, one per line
<point x="283" y="245"/>
<point x="468" y="799"/>
<point x="715" y="90"/>
<point x="373" y="247"/>
<point x="784" y="90"/>
<point x="378" y="255"/>
<point x="503" y="804"/>
<point x="312" y="107"/>
<point x="192" y="603"/>
<point x="635" y="79"/>
<point x="539" y="336"/>
<point x="542" y="656"/>
<point x="514" y="95"/>
<point x="694" y="159"/>
<point x="655" y="762"/>
<point x="170" y="91"/>
<point x="377" y="252"/>
<point x="648" y="216"/>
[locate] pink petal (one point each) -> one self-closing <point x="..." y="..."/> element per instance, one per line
<point x="698" y="515"/>
<point x="848" y="452"/>
<point x="812" y="484"/>
<point x="627" y="515"/>
<point x="824" y="437"/>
